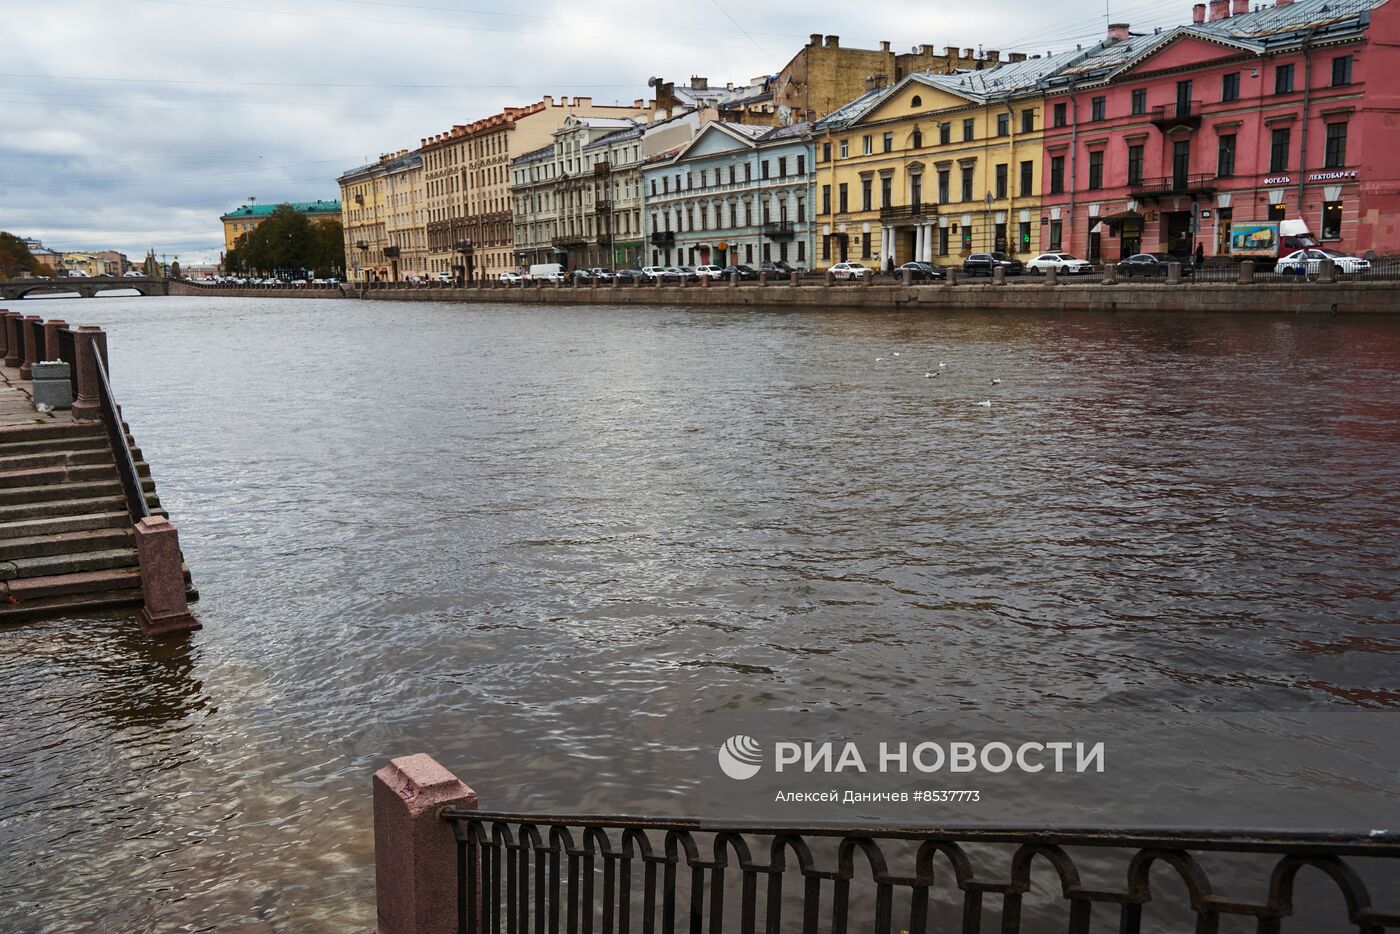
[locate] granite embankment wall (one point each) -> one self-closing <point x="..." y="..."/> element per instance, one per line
<point x="1263" y="298"/>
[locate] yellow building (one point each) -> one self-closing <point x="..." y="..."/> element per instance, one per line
<point x="245" y="219"/>
<point x="934" y="168"/>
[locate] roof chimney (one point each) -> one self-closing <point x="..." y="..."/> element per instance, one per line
<point x="1017" y="57"/>
<point x="876" y="82"/>
<point x="1238" y="7"/>
<point x="834" y="42"/>
<point x="950" y="51"/>
<point x="1283" y="2"/>
<point x="992" y="55"/>
<point x="699" y="82"/>
<point x="884" y="45"/>
<point x="1198" y="13"/>
<point x="970" y="53"/>
<point x="814" y="39"/>
<point x="1219" y="9"/>
<point x="1118" y="32"/>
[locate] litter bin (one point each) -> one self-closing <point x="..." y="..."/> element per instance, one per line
<point x="52" y="387"/>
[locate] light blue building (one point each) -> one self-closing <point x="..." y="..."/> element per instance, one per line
<point x="736" y="193"/>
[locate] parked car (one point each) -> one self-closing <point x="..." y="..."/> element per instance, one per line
<point x="651" y="273"/>
<point x="686" y="272"/>
<point x="1151" y="264"/>
<point x="1309" y="262"/>
<point x="1065" y="264"/>
<point x="745" y="273"/>
<point x="848" y="271"/>
<point x="982" y="264"/>
<point x="708" y="272"/>
<point x="446" y="277"/>
<point x="919" y="272"/>
<point x="601" y="274"/>
<point x="511" y="278"/>
<point x="673" y="274"/>
<point x="780" y="268"/>
<point x="630" y="276"/>
<point x="299" y="283"/>
<point x="133" y="274"/>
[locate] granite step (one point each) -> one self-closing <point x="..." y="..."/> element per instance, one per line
<point x="13" y="462"/>
<point x="51" y="492"/>
<point x="55" y="544"/>
<point x="114" y="518"/>
<point x="48" y="565"/>
<point x="41" y="509"/>
<point x="82" y="604"/>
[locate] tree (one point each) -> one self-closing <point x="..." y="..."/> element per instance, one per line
<point x="175" y="269"/>
<point x="330" y="248"/>
<point x="151" y="265"/>
<point x="15" y="257"/>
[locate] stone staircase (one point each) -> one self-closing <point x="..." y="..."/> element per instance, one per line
<point x="66" y="540"/>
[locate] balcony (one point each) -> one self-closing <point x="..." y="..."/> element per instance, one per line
<point x="362" y="244"/>
<point x="602" y="206"/>
<point x="1203" y="184"/>
<point x="663" y="237"/>
<point x="463" y="246"/>
<point x="779" y="230"/>
<point x="391" y="252"/>
<point x="1182" y="113"/>
<point x="568" y="240"/>
<point x="907" y="213"/>
<point x="602" y="167"/>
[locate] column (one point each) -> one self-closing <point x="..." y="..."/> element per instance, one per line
<point x="921" y="243"/>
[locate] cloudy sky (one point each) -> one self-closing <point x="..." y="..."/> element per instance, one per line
<point x="132" y="124"/>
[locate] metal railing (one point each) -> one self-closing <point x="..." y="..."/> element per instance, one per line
<point x="68" y="353"/>
<point x="1180" y="110"/>
<point x="624" y="874"/>
<point x="906" y="211"/>
<point x="1174" y="184"/>
<point x="121" y="450"/>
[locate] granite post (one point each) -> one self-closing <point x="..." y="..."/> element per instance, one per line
<point x="415" y="852"/>
<point x="51" y="329"/>
<point x="166" y="610"/>
<point x="1052" y="276"/>
<point x="33" y="339"/>
<point x="999" y="275"/>
<point x="88" y="342"/>
<point x="1246" y="272"/>
<point x="1173" y="274"/>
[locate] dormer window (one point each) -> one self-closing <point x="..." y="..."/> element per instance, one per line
<point x="917" y="101"/>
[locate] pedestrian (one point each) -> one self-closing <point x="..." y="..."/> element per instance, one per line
<point x="1200" y="255"/>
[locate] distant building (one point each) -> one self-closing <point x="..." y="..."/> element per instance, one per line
<point x="245" y="219"/>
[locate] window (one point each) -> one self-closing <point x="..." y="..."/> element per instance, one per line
<point x="888" y="141"/>
<point x="916" y="101"/>
<point x="1098" y="109"/>
<point x="945" y="134"/>
<point x="866" y="148"/>
<point x="1341" y="71"/>
<point x="732" y="175"/>
<point x="969" y="129"/>
<point x="1057" y="229"/>
<point x="1057" y="175"/>
<point x="1003" y="124"/>
<point x="999" y="237"/>
<point x="1096" y="169"/>
<point x="966" y="232"/>
<point x="1335" y="155"/>
<point x="1139" y="101"/>
<point x="842" y="203"/>
<point x="1225" y="158"/>
<point x="916" y="189"/>
<point x="1230" y="87"/>
<point x="1061" y="114"/>
<point x="1002" y="172"/>
<point x="1135" y="164"/>
<point x="1332" y="220"/>
<point x="1027" y="178"/>
<point x="1028" y="121"/>
<point x="917" y="140"/>
<point x="801" y="164"/>
<point x="1277" y="212"/>
<point x="967" y="183"/>
<point x="1283" y="79"/>
<point x="886" y="192"/>
<point x="1278" y="150"/>
<point x="826" y="152"/>
<point x="1023" y="237"/>
<point x="826" y="199"/>
<point x="943" y="241"/>
<point x="763" y="168"/>
<point x="865" y="204"/>
<point x="845" y="148"/>
<point x="782" y="166"/>
<point x="943" y="195"/>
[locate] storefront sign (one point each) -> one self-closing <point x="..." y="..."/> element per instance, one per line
<point x="1330" y="176"/>
<point x="1278" y="180"/>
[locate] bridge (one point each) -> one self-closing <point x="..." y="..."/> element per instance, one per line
<point x="16" y="289"/>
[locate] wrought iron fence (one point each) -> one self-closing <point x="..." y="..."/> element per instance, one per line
<point x="121" y="450"/>
<point x="616" y="875"/>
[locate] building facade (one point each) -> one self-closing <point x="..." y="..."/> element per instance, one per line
<point x="533" y="212"/>
<point x="467" y="175"/>
<point x="1161" y="142"/>
<point x="935" y="167"/>
<point x="246" y="218"/>
<point x="736" y="193"/>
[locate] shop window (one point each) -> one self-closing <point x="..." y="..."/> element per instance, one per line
<point x="1278" y="212"/>
<point x="966" y="238"/>
<point x="1332" y="220"/>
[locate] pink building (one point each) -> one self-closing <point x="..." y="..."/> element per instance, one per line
<point x="1157" y="143"/>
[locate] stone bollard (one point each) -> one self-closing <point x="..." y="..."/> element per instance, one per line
<point x="88" y="343"/>
<point x="705" y="281"/>
<point x="733" y="280"/>
<point x="682" y="281"/>
<point x="1052" y="276"/>
<point x="415" y="852"/>
<point x="867" y="280"/>
<point x="656" y="281"/>
<point x="51" y="329"/>
<point x="52" y="387"/>
<point x="907" y="275"/>
<point x="1327" y="272"/>
<point x="954" y="275"/>
<point x="33" y="343"/>
<point x="1246" y="271"/>
<point x="763" y="278"/>
<point x="1173" y="274"/>
<point x="792" y="279"/>
<point x="12" y="355"/>
<point x="999" y="275"/>
<point x="593" y="283"/>
<point x="166" y="610"/>
<point x="637" y="282"/>
<point x="830" y="279"/>
<point x="1110" y="274"/>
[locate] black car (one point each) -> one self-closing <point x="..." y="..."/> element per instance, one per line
<point x="629" y="276"/>
<point x="746" y="273"/>
<point x="919" y="272"/>
<point x="780" y="268"/>
<point x="982" y="264"/>
<point x="1151" y="264"/>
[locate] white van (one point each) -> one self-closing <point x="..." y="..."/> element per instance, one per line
<point x="549" y="272"/>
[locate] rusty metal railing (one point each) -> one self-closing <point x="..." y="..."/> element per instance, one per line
<point x="529" y="874"/>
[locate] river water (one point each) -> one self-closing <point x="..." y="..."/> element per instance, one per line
<point x="542" y="544"/>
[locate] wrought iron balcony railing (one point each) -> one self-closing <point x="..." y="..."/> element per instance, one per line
<point x="899" y="212"/>
<point x="1181" y="112"/>
<point x="520" y="872"/>
<point x="1200" y="183"/>
<point x="663" y="237"/>
<point x="779" y="230"/>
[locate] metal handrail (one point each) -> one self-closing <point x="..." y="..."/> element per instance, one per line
<point x="121" y="450"/>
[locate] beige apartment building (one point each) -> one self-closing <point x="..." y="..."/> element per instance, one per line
<point x="467" y="178"/>
<point x="382" y="209"/>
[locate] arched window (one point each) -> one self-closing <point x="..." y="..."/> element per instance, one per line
<point x="917" y="101"/>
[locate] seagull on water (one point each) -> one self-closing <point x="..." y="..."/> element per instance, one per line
<point x="930" y="376"/>
<point x="996" y="382"/>
<point x="985" y="403"/>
